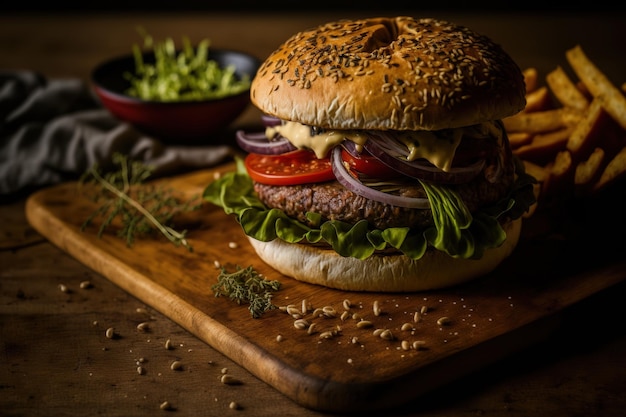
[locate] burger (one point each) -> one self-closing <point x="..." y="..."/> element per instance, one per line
<point x="383" y="164"/>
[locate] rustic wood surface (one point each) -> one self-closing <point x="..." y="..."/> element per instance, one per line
<point x="498" y="315"/>
<point x="58" y="361"/>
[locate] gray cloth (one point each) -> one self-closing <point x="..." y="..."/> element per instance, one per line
<point x="54" y="130"/>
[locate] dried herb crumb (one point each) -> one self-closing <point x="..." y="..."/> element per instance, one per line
<point x="246" y="285"/>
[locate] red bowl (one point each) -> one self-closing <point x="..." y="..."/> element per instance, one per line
<point x="177" y="121"/>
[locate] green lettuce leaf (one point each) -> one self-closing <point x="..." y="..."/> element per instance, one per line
<point x="456" y="231"/>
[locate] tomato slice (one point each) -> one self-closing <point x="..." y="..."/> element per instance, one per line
<point x="369" y="165"/>
<point x="291" y="168"/>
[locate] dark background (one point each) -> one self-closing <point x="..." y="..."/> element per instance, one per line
<point x="69" y="6"/>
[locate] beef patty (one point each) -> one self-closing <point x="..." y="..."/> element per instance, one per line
<point x="334" y="202"/>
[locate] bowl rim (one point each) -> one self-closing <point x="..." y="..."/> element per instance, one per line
<point x="101" y="89"/>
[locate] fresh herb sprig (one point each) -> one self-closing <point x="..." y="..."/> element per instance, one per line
<point x="246" y="285"/>
<point x="141" y="208"/>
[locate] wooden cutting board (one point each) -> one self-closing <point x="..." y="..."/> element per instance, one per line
<point x="489" y="318"/>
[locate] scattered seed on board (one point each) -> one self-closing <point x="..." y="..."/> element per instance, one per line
<point x="442" y="321"/>
<point x="318" y="312"/>
<point x="376" y="308"/>
<point x="301" y="324"/>
<point x="406" y="327"/>
<point x="143" y="326"/>
<point x="165" y="405"/>
<point x="417" y="317"/>
<point x="233" y="405"/>
<point x="228" y="379"/>
<point x="140" y="370"/>
<point x="387" y="335"/>
<point x="364" y="324"/>
<point x="233" y="245"/>
<point x="329" y="311"/>
<point x="110" y="333"/>
<point x="294" y="312"/>
<point x="347" y="304"/>
<point x="85" y="285"/>
<point x="423" y="310"/>
<point x="64" y="288"/>
<point x="419" y="344"/>
<point x="405" y="345"/>
<point x="176" y="366"/>
<point x="168" y="344"/>
<point x="279" y="338"/>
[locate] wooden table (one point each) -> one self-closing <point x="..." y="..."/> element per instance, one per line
<point x="58" y="361"/>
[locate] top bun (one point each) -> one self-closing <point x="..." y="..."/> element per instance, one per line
<point x="389" y="73"/>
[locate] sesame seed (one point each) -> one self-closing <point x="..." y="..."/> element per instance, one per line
<point x="228" y="379"/>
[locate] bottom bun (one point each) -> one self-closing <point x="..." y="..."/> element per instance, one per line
<point x="381" y="273"/>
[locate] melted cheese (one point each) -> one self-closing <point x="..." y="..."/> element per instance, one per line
<point x="428" y="145"/>
<point x="300" y="136"/>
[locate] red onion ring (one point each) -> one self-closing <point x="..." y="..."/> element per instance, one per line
<point x="270" y="121"/>
<point x="350" y="147"/>
<point x="347" y="180"/>
<point x="259" y="143"/>
<point x="394" y="154"/>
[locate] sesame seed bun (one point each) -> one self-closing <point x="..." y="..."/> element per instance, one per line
<point x="384" y="73"/>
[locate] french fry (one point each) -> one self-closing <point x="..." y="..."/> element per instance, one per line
<point x="531" y="79"/>
<point x="571" y="135"/>
<point x="517" y="139"/>
<point x="614" y="170"/>
<point x="582" y="136"/>
<point x="542" y="121"/>
<point x="544" y="146"/>
<point x="596" y="129"/>
<point x="588" y="171"/>
<point x="565" y="90"/>
<point x="538" y="100"/>
<point x="612" y="99"/>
